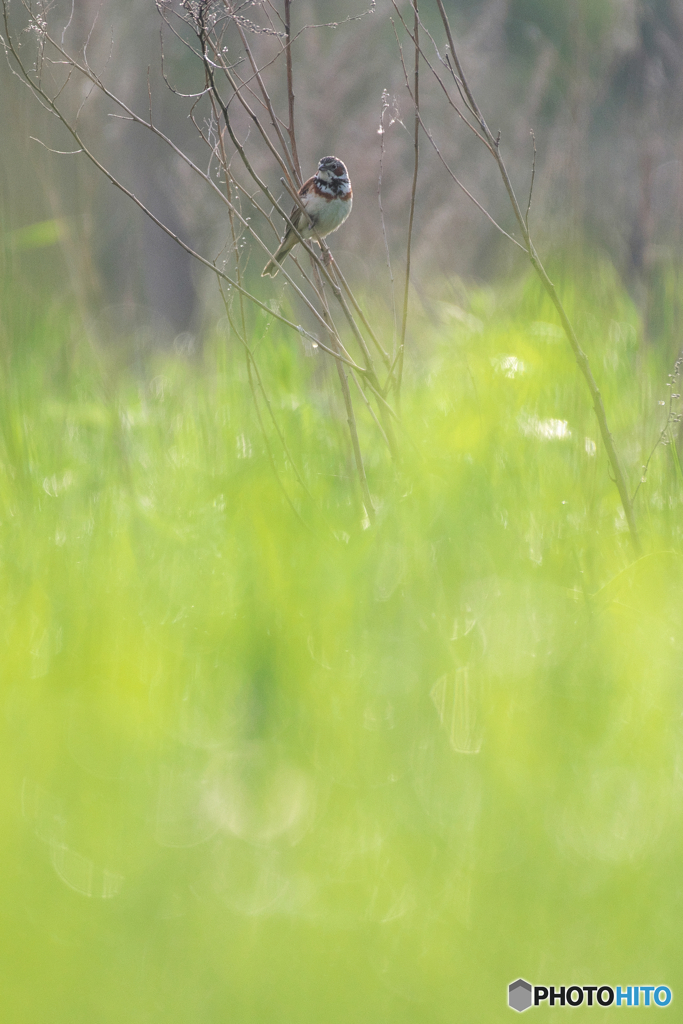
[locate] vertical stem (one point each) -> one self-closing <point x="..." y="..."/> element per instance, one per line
<point x="416" y="144"/>
<point x="290" y="88"/>
<point x="382" y="132"/>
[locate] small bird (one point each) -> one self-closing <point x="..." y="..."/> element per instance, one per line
<point x="327" y="198"/>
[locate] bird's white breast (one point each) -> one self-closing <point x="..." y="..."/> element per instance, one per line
<point x="327" y="214"/>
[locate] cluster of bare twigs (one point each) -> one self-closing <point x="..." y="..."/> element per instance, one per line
<point x="244" y="50"/>
<point x="223" y="36"/>
<point x="447" y="71"/>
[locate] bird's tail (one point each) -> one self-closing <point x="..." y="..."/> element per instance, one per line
<point x="272" y="266"/>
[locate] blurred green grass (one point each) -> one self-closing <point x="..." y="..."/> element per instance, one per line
<point x="256" y="770"/>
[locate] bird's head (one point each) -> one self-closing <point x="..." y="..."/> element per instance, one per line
<point x="330" y="167"/>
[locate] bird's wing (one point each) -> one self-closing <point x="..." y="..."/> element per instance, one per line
<point x="306" y="187"/>
<point x="296" y="214"/>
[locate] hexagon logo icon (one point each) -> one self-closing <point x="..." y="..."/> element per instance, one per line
<point x="519" y="995"/>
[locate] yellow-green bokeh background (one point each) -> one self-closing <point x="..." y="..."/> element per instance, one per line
<point x="252" y="770"/>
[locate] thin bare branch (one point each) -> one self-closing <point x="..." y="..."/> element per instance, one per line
<point x="290" y="90"/>
<point x="531" y="183"/>
<point x="416" y="162"/>
<point x="381" y="131"/>
<point x="344" y="21"/>
<point x="57" y="152"/>
<point x="71" y="18"/>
